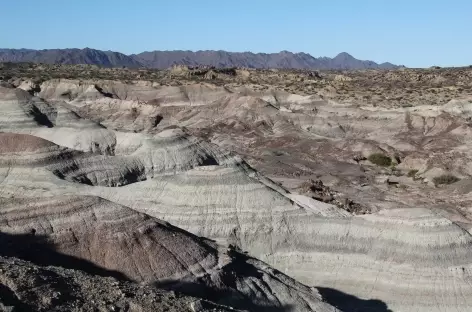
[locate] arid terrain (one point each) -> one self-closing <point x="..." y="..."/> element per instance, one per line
<point x="214" y="189"/>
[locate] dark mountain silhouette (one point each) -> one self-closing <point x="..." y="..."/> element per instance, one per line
<point x="69" y="56"/>
<point x="284" y="59"/>
<point x="165" y="59"/>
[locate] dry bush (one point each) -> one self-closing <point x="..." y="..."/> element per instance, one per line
<point x="380" y="159"/>
<point x="445" y="179"/>
<point x="412" y="173"/>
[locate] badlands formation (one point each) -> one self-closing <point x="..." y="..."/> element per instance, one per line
<point x="210" y="190"/>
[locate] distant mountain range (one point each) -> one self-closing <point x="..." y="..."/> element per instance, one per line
<point x="69" y="56"/>
<point x="165" y="59"/>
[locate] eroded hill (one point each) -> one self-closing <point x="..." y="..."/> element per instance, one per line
<point x="355" y="184"/>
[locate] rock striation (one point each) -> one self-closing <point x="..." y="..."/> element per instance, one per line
<point x="42" y="221"/>
<point x="87" y="184"/>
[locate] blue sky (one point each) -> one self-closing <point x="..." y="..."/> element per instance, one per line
<point x="416" y="33"/>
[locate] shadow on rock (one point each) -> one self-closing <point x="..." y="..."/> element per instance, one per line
<point x="9" y="299"/>
<point x="350" y="303"/>
<point x="39" y="250"/>
<point x="223" y="296"/>
<point x="233" y="287"/>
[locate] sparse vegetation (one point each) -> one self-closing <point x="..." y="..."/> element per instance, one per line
<point x="412" y="173"/>
<point x="445" y="179"/>
<point x="134" y="112"/>
<point x="396" y="172"/>
<point x="380" y="159"/>
<point x="396" y="88"/>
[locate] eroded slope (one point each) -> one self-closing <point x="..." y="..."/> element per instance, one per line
<point x="410" y="254"/>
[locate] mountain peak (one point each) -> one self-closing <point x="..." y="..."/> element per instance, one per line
<point x="344" y="55"/>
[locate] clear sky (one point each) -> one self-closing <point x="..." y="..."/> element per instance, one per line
<point x="415" y="33"/>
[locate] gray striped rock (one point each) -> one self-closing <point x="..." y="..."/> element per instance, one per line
<point x="47" y="218"/>
<point x="399" y="259"/>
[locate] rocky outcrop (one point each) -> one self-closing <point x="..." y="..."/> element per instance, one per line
<point x="25" y="286"/>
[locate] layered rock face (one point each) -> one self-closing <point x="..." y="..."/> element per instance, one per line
<point x="394" y="255"/>
<point x="47" y="218"/>
<point x="93" y="179"/>
<point x="23" y="113"/>
<point x="287" y="137"/>
<point x="106" y="234"/>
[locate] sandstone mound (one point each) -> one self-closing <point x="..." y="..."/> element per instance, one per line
<point x="21" y="110"/>
<point x="18" y="143"/>
<point x="100" y="170"/>
<point x="102" y="233"/>
<point x="23" y="113"/>
<point x="171" y="151"/>
<point x="102" y="238"/>
<point x="143" y="107"/>
<point x="30" y="151"/>
<point x="212" y="201"/>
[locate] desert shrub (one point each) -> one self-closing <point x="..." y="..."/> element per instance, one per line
<point x="134" y="112"/>
<point x="412" y="173"/>
<point x="445" y="179"/>
<point x="38" y="80"/>
<point x="380" y="159"/>
<point x="396" y="172"/>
